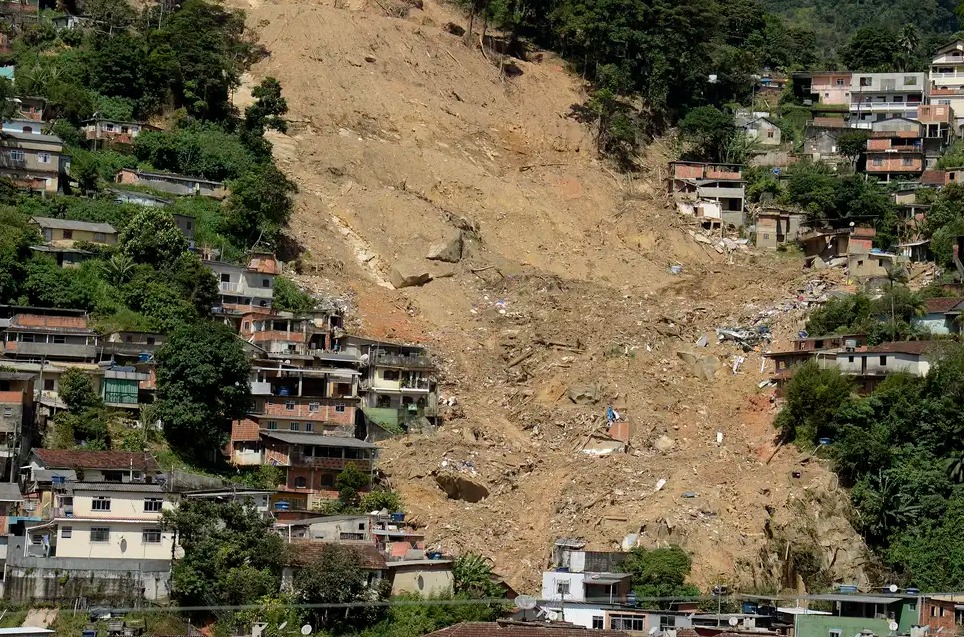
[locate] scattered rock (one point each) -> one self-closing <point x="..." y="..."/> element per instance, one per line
<point x="702" y="365"/>
<point x="370" y="59"/>
<point x="584" y="395"/>
<point x="448" y="248"/>
<point x="406" y="276"/>
<point x="664" y="444"/>
<point x="454" y="29"/>
<point x="459" y="487"/>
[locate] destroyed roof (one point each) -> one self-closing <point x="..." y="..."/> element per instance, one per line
<point x="521" y="629"/>
<point x="305" y="552"/>
<point x="120" y="460"/>
<point x="900" y="347"/>
<point x="943" y="305"/>
<point x="69" y="224"/>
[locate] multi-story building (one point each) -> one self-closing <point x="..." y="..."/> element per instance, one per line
<point x="31" y="108"/>
<point x="895" y="150"/>
<point x="303" y="337"/>
<point x="878" y="96"/>
<point x="108" y="131"/>
<point x="720" y="184"/>
<point x="823" y="349"/>
<point x="43" y="334"/>
<point x="937" y="131"/>
<point x="33" y="161"/>
<point x="824" y="90"/>
<point x="947" y="79"/>
<point x="245" y="288"/>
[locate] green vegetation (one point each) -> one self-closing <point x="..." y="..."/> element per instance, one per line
<point x="900" y="451"/>
<point x="337" y="576"/>
<point x="660" y="572"/>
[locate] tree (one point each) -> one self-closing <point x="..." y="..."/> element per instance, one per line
<point x="260" y="204"/>
<point x="660" y="572"/>
<point x="349" y="483"/>
<point x="269" y="108"/>
<point x="231" y="555"/>
<point x="813" y="396"/>
<point x="202" y="385"/>
<point x="153" y="238"/>
<point x="872" y="49"/>
<point x="853" y="144"/>
<point x="109" y="16"/>
<point x="77" y="390"/>
<point x="291" y="298"/>
<point x="710" y="130"/>
<point x="472" y="576"/>
<point x="337" y="576"/>
<point x="895" y="275"/>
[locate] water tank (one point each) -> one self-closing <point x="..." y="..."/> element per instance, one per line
<point x="144" y="357"/>
<point x="89" y="632"/>
<point x="282" y="506"/>
<point x="397" y="517"/>
<point x="284" y="391"/>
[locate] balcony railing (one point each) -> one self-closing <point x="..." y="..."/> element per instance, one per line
<point x="412" y="361"/>
<point x="52" y="350"/>
<point x="421" y="384"/>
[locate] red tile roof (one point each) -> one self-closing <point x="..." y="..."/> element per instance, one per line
<point x="118" y="460"/>
<point x="901" y="347"/>
<point x="304" y="552"/>
<point x="521" y="629"/>
<point x="932" y="177"/>
<point x="943" y="304"/>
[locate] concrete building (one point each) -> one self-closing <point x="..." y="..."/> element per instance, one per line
<point x="855" y="613"/>
<point x="876" y="97"/>
<point x="759" y="129"/>
<point x="41" y="334"/>
<point x="109" y="131"/>
<point x="16" y="420"/>
<point x="870" y="365"/>
<point x="181" y="185"/>
<point x="330" y="528"/>
<point x="826" y="88"/>
<point x="721" y="184"/>
<point x="59" y="232"/>
<point x="244" y="288"/>
<point x="942" y="316"/>
<point x="895" y="150"/>
<point x="937" y="131"/>
<point x="776" y="227"/>
<point x="24" y="126"/>
<point x="947" y="79"/>
<point x="874" y="264"/>
<point x="33" y="162"/>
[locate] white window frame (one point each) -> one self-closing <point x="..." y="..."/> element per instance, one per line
<point x="100" y="503"/>
<point x="148" y="534"/>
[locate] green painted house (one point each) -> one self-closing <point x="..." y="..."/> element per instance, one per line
<point x="853" y="614"/>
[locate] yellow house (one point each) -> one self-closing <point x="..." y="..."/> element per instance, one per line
<point x="105" y="520"/>
<point x="65" y="232"/>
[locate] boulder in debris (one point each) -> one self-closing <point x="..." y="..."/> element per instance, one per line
<point x="584" y="394"/>
<point x="460" y="487"/>
<point x="406" y="276"/>
<point x="448" y="248"/>
<point x="664" y="444"/>
<point x="702" y="365"/>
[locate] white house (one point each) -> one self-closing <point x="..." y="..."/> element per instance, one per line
<point x="947" y="78"/>
<point x="942" y="317"/>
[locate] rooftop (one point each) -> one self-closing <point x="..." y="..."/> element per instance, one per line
<point x="120" y="460"/>
<point x="942" y="305"/>
<point x="118" y="487"/>
<point x="901" y="347"/>
<point x="856" y="599"/>
<point x="319" y="440"/>
<point x="69" y="224"/>
<point x="145" y="173"/>
<point x="32" y="137"/>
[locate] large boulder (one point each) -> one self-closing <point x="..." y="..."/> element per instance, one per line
<point x="405" y="276"/>
<point x="460" y="487"/>
<point x="584" y="394"/>
<point x="448" y="248"/>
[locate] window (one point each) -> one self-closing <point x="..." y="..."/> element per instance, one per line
<point x="898" y="99"/>
<point x="113" y="476"/>
<point x="361" y="526"/>
<point x="16" y="155"/>
<point x="60" y="338"/>
<point x="309" y="427"/>
<point x="7" y="412"/>
<point x="99" y="237"/>
<point x="43" y="158"/>
<point x="152" y="505"/>
<point x="66" y="531"/>
<point x="627" y="622"/>
<point x="100" y="503"/>
<point x="225" y="278"/>
<point x="878" y="161"/>
<point x="109" y="128"/>
<point x="771" y="134"/>
<point x="839" y="82"/>
<point x="100" y="534"/>
<point x="28" y="129"/>
<point x="327" y="480"/>
<point x="295" y="426"/>
<point x="339" y="409"/>
<point x="151" y="340"/>
<point x="910" y="80"/>
<point x="766" y="236"/>
<point x="290" y="405"/>
<point x="272" y="424"/>
<point x="48" y="384"/>
<point x="390" y="374"/>
<point x="850" y="359"/>
<point x="68" y="234"/>
<point x="151" y="536"/>
<point x="907" y="161"/>
<point x="866" y="81"/>
<point x="883" y="361"/>
<point x="562" y="588"/>
<point x="189" y="224"/>
<point x="951" y="176"/>
<point x="834" y="632"/>
<point x="933" y="611"/>
<point x="598" y="622"/>
<point x="124" y="129"/>
<point x="301" y="483"/>
<point x="314" y="406"/>
<point x="667" y="621"/>
<point x="266" y="283"/>
<point x="351" y="536"/>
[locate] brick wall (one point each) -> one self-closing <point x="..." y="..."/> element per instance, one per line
<point x="36" y="320"/>
<point x="894" y="164"/>
<point x="244" y="429"/>
<point x="325" y="410"/>
<point x="878" y="144"/>
<point x="682" y="171"/>
<point x="938" y="614"/>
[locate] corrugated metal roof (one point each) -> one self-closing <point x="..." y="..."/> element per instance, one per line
<point x="856" y="599"/>
<point x="319" y="440"/>
<point x="69" y="224"/>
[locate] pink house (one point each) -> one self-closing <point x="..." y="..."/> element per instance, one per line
<point x="832" y="87"/>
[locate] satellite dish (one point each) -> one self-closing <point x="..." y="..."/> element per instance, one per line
<point x="306" y="630"/>
<point x="525" y="602"/>
<point x="893" y="589"/>
<point x="733" y="621"/>
<point x="552" y="615"/>
<point x="893" y="626"/>
<point x="282" y="626"/>
<point x="653" y="630"/>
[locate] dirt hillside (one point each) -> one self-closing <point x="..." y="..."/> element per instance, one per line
<point x="563" y="300"/>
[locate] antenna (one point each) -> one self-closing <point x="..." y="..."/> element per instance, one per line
<point x="893" y="626"/>
<point x="525" y="602"/>
<point x="653" y="630"/>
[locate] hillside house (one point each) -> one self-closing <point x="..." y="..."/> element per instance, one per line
<point x="283" y="335"/>
<point x="16" y="418"/>
<point x="942" y="613"/>
<point x="937" y="131"/>
<point x="874" y="264"/>
<point x="823" y="349"/>
<point x="870" y="365"/>
<point x="824" y="90"/>
<point x="946" y="78"/>
<point x="776" y="227"/>
<point x="305" y="399"/>
<point x="856" y="613"/>
<point x="942" y="316"/>
<point x="329" y="528"/>
<point x="396" y="377"/>
<point x="915" y="251"/>
<point x="302" y="553"/>
<point x="33" y="162"/>
<point x="32" y="333"/>
<point x="181" y="185"/>
<point x="67" y="232"/>
<point x="719" y="183"/>
<point x="875" y="97"/>
<point x="820" y="139"/>
<point x="30" y="108"/>
<point x="23" y="126"/>
<point x="895" y="150"/>
<point x="245" y="288"/>
<point x="759" y="128"/>
<point x="108" y="131"/>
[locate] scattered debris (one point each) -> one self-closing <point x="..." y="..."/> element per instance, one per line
<point x="660" y="484"/>
<point x="675" y="269"/>
<point x="584" y="394"/>
<point x="664" y="444"/>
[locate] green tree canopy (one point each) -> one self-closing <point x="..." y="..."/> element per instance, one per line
<point x="151" y="237"/>
<point x="337" y="576"/>
<point x="660" y="572"/>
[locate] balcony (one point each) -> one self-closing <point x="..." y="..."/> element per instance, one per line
<point x="415" y="384"/>
<point x="721" y="192"/>
<point x="314" y="462"/>
<point x="51" y="350"/>
<point x="260" y="388"/>
<point x="883" y="107"/>
<point x="412" y="361"/>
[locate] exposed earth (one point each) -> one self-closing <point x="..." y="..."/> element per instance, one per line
<point x="401" y="136"/>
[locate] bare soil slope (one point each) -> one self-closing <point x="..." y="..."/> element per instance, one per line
<point x="400" y="134"/>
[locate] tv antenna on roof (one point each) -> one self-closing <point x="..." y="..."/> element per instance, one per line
<point x="306" y="630"/>
<point x="525" y="603"/>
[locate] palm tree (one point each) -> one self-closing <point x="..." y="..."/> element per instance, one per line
<point x="119" y="268"/>
<point x="908" y="41"/>
<point x="895" y="275"/>
<point x="955" y="468"/>
<point x="472" y="574"/>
